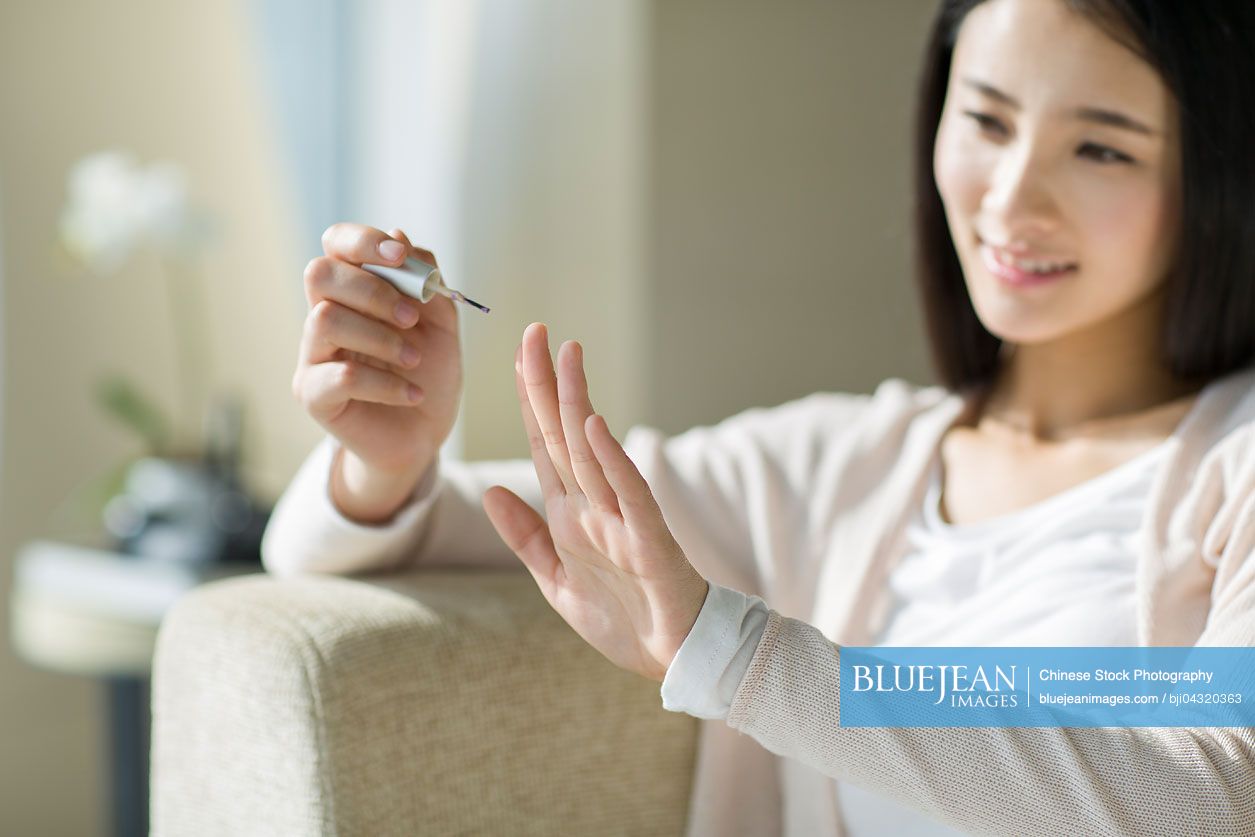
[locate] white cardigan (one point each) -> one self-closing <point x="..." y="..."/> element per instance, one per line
<point x="805" y="505"/>
<point x="1060" y="572"/>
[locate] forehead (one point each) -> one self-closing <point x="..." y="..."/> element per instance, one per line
<point x="1048" y="56"/>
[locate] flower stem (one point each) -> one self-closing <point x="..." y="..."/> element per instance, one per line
<point x="188" y="313"/>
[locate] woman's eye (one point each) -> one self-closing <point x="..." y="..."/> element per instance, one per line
<point x="1098" y="153"/>
<point x="1102" y="154"/>
<point x="984" y="120"/>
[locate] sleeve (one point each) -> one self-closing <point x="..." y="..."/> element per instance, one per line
<point x="714" y="657"/>
<point x="733" y="493"/>
<point x="1036" y="781"/>
<point x="307" y="533"/>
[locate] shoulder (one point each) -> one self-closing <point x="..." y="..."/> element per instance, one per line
<point x="1219" y="494"/>
<point x="1225" y="429"/>
<point x="806" y="427"/>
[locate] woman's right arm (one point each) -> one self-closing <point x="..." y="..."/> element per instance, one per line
<point x="710" y="482"/>
<point x="440" y="522"/>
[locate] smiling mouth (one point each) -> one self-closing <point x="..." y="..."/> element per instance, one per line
<point x="1021" y="271"/>
<point x="1029" y="262"/>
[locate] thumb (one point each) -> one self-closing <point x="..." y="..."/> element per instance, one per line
<point x="526" y="533"/>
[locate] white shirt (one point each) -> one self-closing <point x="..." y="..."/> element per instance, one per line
<point x="1059" y="572"/>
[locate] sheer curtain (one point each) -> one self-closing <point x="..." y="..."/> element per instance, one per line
<point x="508" y="137"/>
<point x="409" y="106"/>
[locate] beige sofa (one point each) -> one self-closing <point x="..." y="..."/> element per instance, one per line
<point x="435" y="702"/>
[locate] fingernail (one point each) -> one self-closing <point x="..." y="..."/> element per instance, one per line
<point x="391" y="250"/>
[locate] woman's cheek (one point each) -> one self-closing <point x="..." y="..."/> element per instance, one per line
<point x="1120" y="219"/>
<point x="961" y="170"/>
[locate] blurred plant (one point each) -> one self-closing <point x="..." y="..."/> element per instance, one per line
<point x="114" y="208"/>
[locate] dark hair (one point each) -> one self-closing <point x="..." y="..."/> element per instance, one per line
<point x="1203" y="51"/>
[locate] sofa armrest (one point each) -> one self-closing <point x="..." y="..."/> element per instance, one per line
<point x="433" y="702"/>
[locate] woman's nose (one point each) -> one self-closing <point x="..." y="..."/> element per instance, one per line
<point x="1019" y="196"/>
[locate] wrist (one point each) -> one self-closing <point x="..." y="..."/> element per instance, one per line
<point x="367" y="495"/>
<point x="696" y="602"/>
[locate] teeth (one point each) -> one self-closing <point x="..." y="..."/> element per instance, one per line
<point x="1030" y="265"/>
<point x="1039" y="267"/>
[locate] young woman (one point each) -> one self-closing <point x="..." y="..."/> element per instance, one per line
<point x="1083" y="475"/>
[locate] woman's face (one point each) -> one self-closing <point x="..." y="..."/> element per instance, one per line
<point x="1056" y="146"/>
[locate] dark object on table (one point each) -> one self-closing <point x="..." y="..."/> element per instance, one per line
<point x="191" y="509"/>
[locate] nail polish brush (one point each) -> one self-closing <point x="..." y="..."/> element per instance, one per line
<point x="419" y="280"/>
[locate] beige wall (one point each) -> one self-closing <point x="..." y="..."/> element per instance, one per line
<point x="772" y="140"/>
<point x="779" y="214"/>
<point x="161" y="79"/>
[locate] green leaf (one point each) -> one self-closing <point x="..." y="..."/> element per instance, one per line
<point x="134" y="410"/>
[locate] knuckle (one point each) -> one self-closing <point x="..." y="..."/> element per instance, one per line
<point x="317" y="273"/>
<point x="322" y="316"/>
<point x="383" y="298"/>
<point x="536" y="441"/>
<point x="579" y="457"/>
<point x="347" y="375"/>
<point x="331" y="236"/>
<point x="553" y="437"/>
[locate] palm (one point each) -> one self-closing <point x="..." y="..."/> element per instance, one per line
<point x="594" y="590"/>
<point x="604" y="557"/>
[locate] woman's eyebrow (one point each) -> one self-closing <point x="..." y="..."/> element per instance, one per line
<point x="1112" y="118"/>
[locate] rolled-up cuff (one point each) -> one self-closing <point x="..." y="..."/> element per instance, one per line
<point x="714" y="657"/>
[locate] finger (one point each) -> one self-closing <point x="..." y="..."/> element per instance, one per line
<point x="542" y="392"/>
<point x="575" y="407"/>
<point x="425" y="255"/>
<point x="550" y="483"/>
<point x="328" y="278"/>
<point x="527" y="535"/>
<point x="330" y="326"/>
<point x="640" y="510"/>
<point x="359" y="244"/>
<point x="325" y="390"/>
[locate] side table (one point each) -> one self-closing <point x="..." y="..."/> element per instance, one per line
<point x="80" y="609"/>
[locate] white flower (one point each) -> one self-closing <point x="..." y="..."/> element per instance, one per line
<point x="116" y="205"/>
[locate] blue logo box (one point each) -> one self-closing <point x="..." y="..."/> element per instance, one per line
<point x="1145" y="686"/>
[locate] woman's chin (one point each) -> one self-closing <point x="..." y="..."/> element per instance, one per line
<point x="1023" y="330"/>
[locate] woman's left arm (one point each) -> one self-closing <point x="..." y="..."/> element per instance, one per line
<point x="604" y="558"/>
<point x="1030" y="781"/>
<point x="606" y="561"/>
<point x="1078" y="780"/>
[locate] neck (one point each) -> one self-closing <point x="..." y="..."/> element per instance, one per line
<point x="1091" y="384"/>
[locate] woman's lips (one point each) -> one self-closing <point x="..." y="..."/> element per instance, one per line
<point x="1017" y="277"/>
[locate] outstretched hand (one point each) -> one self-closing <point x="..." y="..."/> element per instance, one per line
<point x="605" y="559"/>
